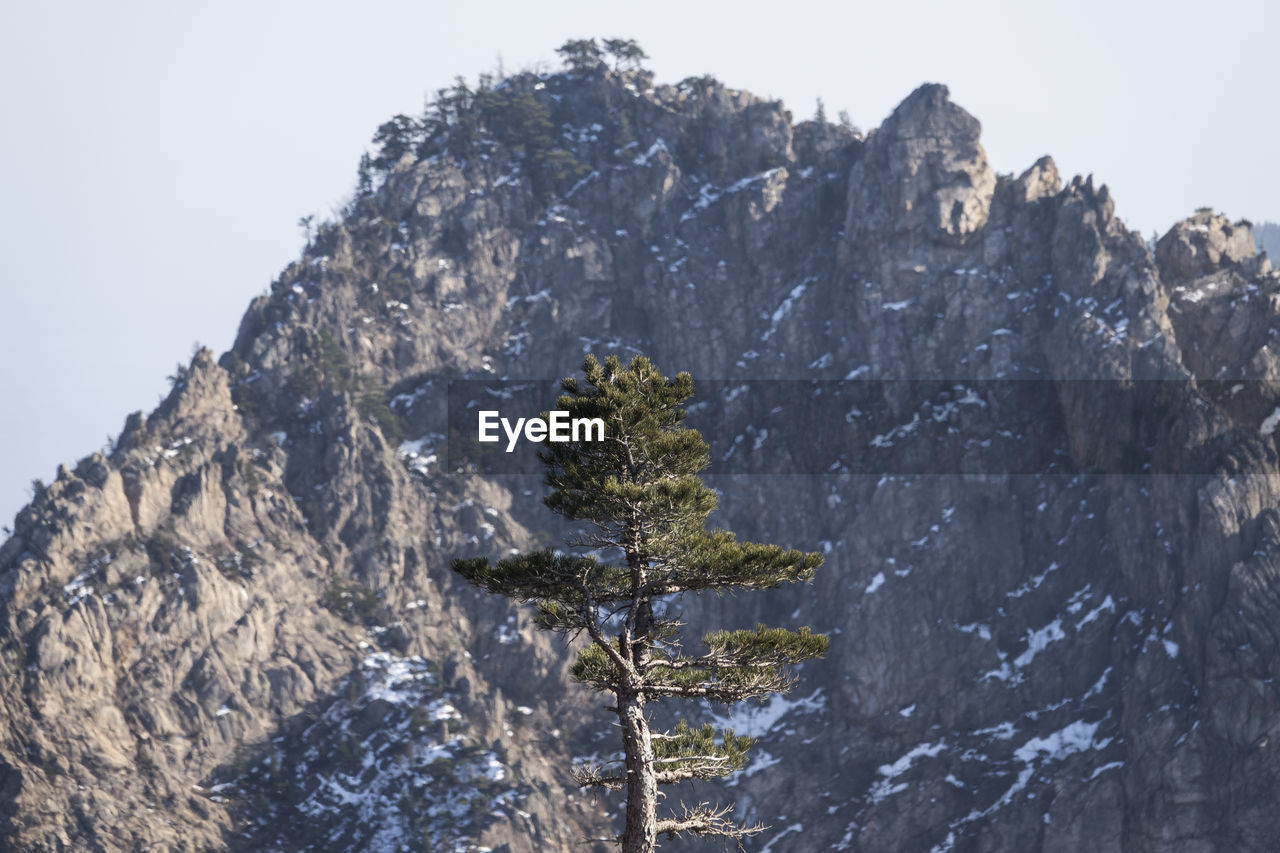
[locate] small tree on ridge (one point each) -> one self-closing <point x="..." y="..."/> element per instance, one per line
<point x="581" y="55"/>
<point x="640" y="493"/>
<point x="626" y="53"/>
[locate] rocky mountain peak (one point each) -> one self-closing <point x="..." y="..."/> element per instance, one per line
<point x="1039" y="458"/>
<point x="923" y="175"/>
<point x="1040" y="180"/>
<point x="1203" y="244"/>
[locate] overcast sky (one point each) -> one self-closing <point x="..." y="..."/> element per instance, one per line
<point x="155" y="156"/>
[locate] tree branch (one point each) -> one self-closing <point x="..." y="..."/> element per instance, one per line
<point x="704" y="820"/>
<point x="716" y="692"/>
<point x="600" y="640"/>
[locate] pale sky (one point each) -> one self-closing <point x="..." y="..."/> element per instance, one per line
<point x="155" y="156"/>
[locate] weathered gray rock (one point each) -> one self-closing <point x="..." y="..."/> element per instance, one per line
<point x="1203" y="244"/>
<point x="924" y="175"/>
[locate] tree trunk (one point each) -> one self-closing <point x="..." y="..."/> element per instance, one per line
<point x="640" y="835"/>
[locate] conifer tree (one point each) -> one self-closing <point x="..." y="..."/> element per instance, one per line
<point x="364" y="176"/>
<point x="642" y="501"/>
<point x="394" y="139"/>
<point x="626" y="53"/>
<point x="581" y="55"/>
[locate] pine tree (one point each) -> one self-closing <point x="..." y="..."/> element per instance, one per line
<point x="626" y="53"/>
<point x="364" y="176"/>
<point x="641" y="497"/>
<point x="581" y="55"/>
<point x="394" y="139"/>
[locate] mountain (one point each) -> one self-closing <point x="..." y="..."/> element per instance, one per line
<point x="1040" y="459"/>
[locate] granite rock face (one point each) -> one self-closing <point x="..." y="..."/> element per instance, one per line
<point x="1203" y="244"/>
<point x="923" y="175"/>
<point x="1049" y="500"/>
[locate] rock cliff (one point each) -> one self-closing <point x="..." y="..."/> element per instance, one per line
<point x="1050" y="503"/>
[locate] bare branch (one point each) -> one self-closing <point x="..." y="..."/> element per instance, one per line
<point x="705" y="820"/>
<point x="593" y="776"/>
